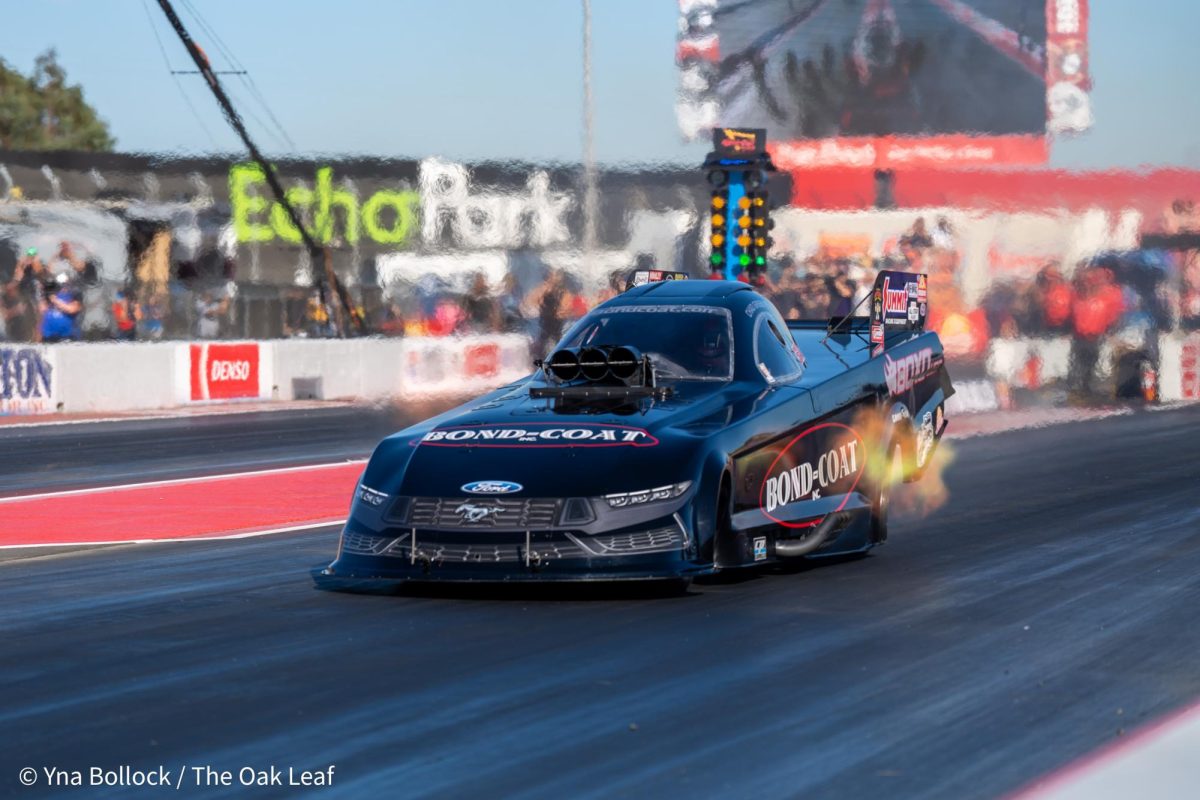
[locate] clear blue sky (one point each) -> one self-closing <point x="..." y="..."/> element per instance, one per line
<point x="501" y="79"/>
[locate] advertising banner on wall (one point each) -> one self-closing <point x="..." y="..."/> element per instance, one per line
<point x="228" y="371"/>
<point x="28" y="382"/>
<point x="461" y="366"/>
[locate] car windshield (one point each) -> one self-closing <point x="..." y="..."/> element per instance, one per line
<point x="683" y="342"/>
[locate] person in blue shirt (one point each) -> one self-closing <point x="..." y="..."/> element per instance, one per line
<point x="60" y="311"/>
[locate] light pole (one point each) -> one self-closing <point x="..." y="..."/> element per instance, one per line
<point x="590" y="196"/>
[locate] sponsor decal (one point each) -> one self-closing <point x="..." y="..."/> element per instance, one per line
<point x="895" y="301"/>
<point x="224" y="371"/>
<point x="922" y="290"/>
<point x="760" y="548"/>
<point x="370" y="496"/>
<point x="925" y="437"/>
<point x="491" y="487"/>
<point x="27" y="381"/>
<point x="539" y="434"/>
<point x="902" y="374"/>
<point x="642" y="277"/>
<point x="473" y="513"/>
<point x="827" y="459"/>
<point x="739" y="142"/>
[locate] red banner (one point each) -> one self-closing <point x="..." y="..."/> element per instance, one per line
<point x="224" y="371"/>
<point x="923" y="152"/>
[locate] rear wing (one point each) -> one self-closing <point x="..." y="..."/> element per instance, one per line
<point x="899" y="302"/>
<point x="641" y="277"/>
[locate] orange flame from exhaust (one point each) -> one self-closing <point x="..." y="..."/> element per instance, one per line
<point x="927" y="491"/>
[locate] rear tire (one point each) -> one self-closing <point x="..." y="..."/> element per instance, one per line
<point x="893" y="473"/>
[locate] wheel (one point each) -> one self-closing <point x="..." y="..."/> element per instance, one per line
<point x="722" y="545"/>
<point x="893" y="473"/>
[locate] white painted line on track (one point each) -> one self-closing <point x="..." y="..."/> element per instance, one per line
<point x="1158" y="761"/>
<point x="1027" y="422"/>
<point x="183" y="413"/>
<point x="178" y="481"/>
<point x="205" y="538"/>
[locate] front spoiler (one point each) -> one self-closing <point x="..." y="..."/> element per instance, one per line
<point x="373" y="574"/>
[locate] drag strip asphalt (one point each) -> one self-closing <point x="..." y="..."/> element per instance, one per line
<point x="59" y="457"/>
<point x="1045" y="611"/>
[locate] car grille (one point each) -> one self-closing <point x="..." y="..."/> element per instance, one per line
<point x="653" y="541"/>
<point x="442" y="547"/>
<point x="491" y="513"/>
<point x="484" y="553"/>
<point x="363" y="544"/>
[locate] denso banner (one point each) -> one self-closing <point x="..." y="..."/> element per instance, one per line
<point x="226" y="371"/>
<point x="28" y="382"/>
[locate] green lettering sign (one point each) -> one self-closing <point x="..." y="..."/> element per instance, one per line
<point x="257" y="219"/>
<point x="404" y="205"/>
<point x="241" y="177"/>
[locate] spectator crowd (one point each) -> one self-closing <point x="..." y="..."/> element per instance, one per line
<point x="47" y="295"/>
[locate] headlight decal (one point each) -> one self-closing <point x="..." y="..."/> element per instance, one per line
<point x="658" y="494"/>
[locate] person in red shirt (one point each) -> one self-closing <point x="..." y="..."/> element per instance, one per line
<point x="1098" y="305"/>
<point x="126" y="314"/>
<point x="1056" y="299"/>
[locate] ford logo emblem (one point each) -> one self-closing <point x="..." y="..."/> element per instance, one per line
<point x="491" y="487"/>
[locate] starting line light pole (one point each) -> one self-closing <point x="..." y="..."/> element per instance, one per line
<point x="740" y="210"/>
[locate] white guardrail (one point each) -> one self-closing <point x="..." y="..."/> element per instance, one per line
<point x="130" y="376"/>
<point x="124" y="376"/>
<point x="1178" y="368"/>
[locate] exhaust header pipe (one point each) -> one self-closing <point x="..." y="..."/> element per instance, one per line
<point x="596" y="364"/>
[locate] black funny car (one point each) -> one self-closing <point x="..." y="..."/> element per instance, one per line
<point x="678" y="429"/>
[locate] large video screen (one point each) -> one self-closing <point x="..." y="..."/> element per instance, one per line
<point x="820" y="69"/>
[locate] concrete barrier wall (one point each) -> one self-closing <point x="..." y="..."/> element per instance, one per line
<point x="1178" y="363"/>
<point x="117" y="376"/>
<point x="341" y="368"/>
<point x="126" y="376"/>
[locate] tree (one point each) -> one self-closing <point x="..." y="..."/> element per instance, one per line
<point x="44" y="112"/>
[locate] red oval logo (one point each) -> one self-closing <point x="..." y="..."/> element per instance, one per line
<point x="827" y="467"/>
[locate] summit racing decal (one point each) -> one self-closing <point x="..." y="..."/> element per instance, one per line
<point x="895" y="301"/>
<point x="907" y="371"/>
<point x="538" y="434"/>
<point x="827" y="459"/>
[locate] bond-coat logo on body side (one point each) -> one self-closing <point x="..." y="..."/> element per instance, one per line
<point x="539" y="434"/>
<point x="491" y="487"/>
<point x="473" y="513"/>
<point x="827" y="459"/>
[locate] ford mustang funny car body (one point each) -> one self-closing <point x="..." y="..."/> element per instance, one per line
<point x="678" y="429"/>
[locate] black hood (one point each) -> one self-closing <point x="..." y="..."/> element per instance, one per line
<point x="552" y="448"/>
